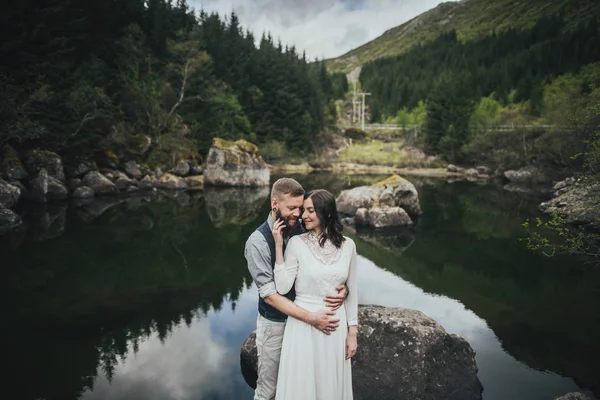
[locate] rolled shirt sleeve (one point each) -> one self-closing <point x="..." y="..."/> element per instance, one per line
<point x="258" y="256"/>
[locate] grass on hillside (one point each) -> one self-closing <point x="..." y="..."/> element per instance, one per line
<point x="380" y="153"/>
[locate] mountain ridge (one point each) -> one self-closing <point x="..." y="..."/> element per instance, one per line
<point x="470" y="18"/>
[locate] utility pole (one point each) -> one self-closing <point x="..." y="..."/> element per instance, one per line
<point x="363" y="109"/>
<point x="354" y="104"/>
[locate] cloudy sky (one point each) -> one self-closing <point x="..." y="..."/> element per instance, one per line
<point x="324" y="28"/>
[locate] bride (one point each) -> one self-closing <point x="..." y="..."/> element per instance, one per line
<point x="313" y="365"/>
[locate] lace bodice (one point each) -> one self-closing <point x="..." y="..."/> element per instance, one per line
<point x="316" y="271"/>
<point x="328" y="254"/>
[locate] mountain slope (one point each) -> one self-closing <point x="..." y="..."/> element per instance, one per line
<point x="471" y="19"/>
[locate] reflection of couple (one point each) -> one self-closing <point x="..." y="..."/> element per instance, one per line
<point x="307" y="358"/>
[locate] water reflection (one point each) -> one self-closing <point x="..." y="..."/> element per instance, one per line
<point x="235" y="206"/>
<point x="197" y="360"/>
<point x="149" y="297"/>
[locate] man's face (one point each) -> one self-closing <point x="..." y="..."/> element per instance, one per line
<point x="289" y="209"/>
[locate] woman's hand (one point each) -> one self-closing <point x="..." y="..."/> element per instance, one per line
<point x="351" y="342"/>
<point x="278" y="232"/>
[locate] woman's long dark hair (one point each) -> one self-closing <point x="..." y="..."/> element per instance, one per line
<point x="326" y="209"/>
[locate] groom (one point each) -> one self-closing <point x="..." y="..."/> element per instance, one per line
<point x="287" y="198"/>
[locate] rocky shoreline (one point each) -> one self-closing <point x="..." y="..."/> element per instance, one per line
<point x="578" y="200"/>
<point x="39" y="176"/>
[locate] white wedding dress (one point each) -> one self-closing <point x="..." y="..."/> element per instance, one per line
<point x="313" y="365"/>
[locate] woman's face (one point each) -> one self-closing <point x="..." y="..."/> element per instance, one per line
<point x="310" y="218"/>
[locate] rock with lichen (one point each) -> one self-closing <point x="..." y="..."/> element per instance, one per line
<point x="389" y="203"/>
<point x="35" y="160"/>
<point x="236" y="163"/>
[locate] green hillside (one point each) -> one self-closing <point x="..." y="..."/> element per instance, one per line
<point x="471" y="19"/>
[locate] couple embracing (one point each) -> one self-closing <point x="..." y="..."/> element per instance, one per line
<point x="306" y="277"/>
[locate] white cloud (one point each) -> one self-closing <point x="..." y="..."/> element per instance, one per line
<point x="324" y="28"/>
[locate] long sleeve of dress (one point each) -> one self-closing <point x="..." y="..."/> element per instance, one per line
<point x="285" y="274"/>
<point x="351" y="302"/>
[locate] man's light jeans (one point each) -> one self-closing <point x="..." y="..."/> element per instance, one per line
<point x="269" y="337"/>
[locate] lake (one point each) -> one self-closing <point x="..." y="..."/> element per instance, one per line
<point x="149" y="297"/>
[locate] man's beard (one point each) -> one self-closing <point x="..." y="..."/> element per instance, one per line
<point x="287" y="226"/>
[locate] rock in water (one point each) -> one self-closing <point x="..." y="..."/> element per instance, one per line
<point x="11" y="167"/>
<point x="35" y="160"/>
<point x="350" y="201"/>
<point x="99" y="183"/>
<point x="394" y="202"/>
<point x="8" y="220"/>
<point x="235" y="164"/>
<point x="383" y="217"/>
<point x="403" y="354"/>
<point x="9" y="194"/>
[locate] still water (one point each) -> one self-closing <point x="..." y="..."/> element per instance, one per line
<point x="149" y="298"/>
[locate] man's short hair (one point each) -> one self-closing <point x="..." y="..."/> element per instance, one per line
<point x="285" y="186"/>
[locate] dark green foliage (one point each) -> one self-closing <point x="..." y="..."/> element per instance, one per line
<point x="452" y="75"/>
<point x="516" y="59"/>
<point x="72" y="72"/>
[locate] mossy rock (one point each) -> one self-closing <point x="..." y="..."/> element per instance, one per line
<point x="238" y="146"/>
<point x="392" y="181"/>
<point x="35" y="160"/>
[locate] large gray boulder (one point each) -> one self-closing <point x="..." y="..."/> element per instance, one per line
<point x="9" y="194"/>
<point x="350" y="201"/>
<point x="11" y="167"/>
<point x="403" y="354"/>
<point x="235" y="164"/>
<point x="99" y="183"/>
<point x="392" y="202"/>
<point x="8" y="220"/>
<point x="35" y="160"/>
